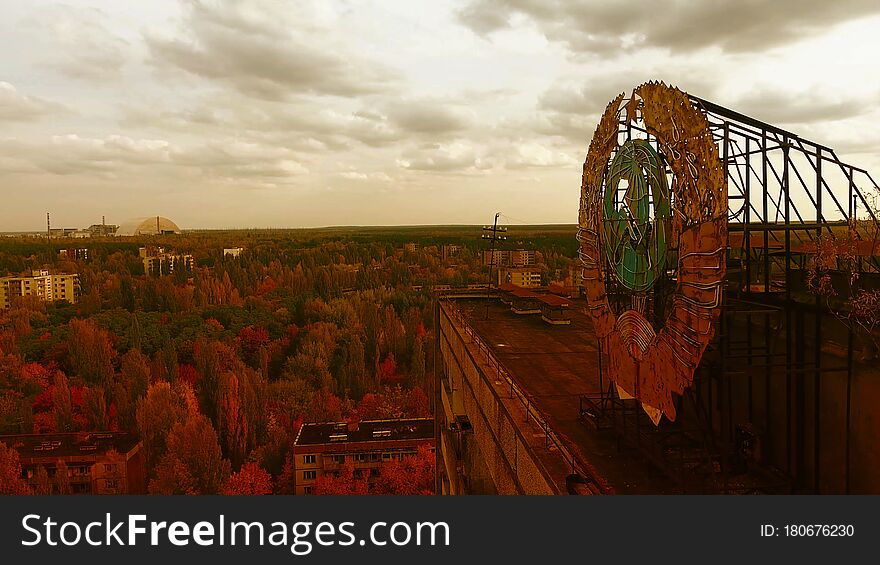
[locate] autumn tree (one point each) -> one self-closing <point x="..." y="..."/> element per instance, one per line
<point x="408" y="475"/>
<point x="349" y="481"/>
<point x="43" y="484"/>
<point x="62" y="478"/>
<point x="90" y="352"/>
<point x="241" y="414"/>
<point x="157" y="413"/>
<point x="10" y="472"/>
<point x="95" y="409"/>
<point x="62" y="404"/>
<point x="193" y="462"/>
<point x="251" y="479"/>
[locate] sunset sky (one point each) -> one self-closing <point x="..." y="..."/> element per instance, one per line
<point x="275" y="113"/>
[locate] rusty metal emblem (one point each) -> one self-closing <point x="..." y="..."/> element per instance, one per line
<point x="640" y="231"/>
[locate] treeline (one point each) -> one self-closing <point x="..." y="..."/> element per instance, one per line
<point x="216" y="368"/>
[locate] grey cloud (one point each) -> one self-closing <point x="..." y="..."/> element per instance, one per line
<point x="72" y="154"/>
<point x="238" y="160"/>
<point x="264" y="61"/>
<point x="777" y="106"/>
<point x="426" y="116"/>
<point x="441" y="159"/>
<point x="602" y="27"/>
<point x="308" y="124"/>
<point x="83" y="45"/>
<point x="16" y="106"/>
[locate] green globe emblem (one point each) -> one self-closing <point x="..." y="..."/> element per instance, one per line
<point x="637" y="224"/>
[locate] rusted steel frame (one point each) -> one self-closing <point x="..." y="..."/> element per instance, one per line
<point x="732" y="115"/>
<point x="766" y="195"/>
<point x="822" y="182"/>
<point x="788" y="315"/>
<point x="817" y="345"/>
<point x="747" y="238"/>
<point x="853" y="189"/>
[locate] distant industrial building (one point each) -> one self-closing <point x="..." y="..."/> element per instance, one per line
<point x="154" y="225"/>
<point x="232" y="251"/>
<point x="158" y="262"/>
<point x="96" y="462"/>
<point x="103" y="230"/>
<point x="42" y="284"/>
<point x="324" y="448"/>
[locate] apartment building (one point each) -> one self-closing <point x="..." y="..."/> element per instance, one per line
<point x="42" y="284"/>
<point x="523" y="277"/>
<point x="157" y="261"/>
<point x="95" y="462"/>
<point x="324" y="448"/>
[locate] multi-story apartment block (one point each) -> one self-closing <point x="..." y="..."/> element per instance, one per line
<point x="96" y="462"/>
<point x="80" y="253"/>
<point x="157" y="261"/>
<point x="324" y="448"/>
<point x="509" y="258"/>
<point x="42" y="284"/>
<point x="524" y="277"/>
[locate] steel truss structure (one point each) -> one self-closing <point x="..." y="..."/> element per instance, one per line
<point x="758" y="418"/>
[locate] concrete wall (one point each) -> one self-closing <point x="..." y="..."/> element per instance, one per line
<point x="501" y="445"/>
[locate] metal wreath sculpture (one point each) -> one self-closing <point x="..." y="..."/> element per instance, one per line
<point x="634" y="239"/>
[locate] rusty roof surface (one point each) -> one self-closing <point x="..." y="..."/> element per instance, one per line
<point x="70" y="444"/>
<point x="555" y="365"/>
<point x="554" y="300"/>
<point x="366" y="430"/>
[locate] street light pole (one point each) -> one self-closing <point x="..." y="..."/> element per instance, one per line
<point x="494" y="237"/>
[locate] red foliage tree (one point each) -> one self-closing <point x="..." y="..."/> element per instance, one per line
<point x="387" y="371"/>
<point x="10" y="472"/>
<point x="348" y="482"/>
<point x="251" y="479"/>
<point x="408" y="476"/>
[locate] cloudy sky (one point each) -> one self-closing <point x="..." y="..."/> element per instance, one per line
<point x="280" y="113"/>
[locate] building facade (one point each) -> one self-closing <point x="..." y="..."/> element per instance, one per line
<point x="95" y="462"/>
<point x="520" y="276"/>
<point x="324" y="448"/>
<point x="158" y="262"/>
<point x="41" y="284"/>
<point x="509" y="257"/>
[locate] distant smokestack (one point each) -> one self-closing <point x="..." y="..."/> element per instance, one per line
<point x="158" y="231"/>
<point x="103" y="221"/>
<point x="48" y="227"/>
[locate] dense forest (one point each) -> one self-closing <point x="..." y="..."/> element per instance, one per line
<point x="217" y="367"/>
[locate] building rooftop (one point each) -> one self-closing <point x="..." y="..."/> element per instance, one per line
<point x="70" y="444"/>
<point x="555" y="365"/>
<point x="365" y="431"/>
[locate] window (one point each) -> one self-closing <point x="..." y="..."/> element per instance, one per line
<point x="339" y="459"/>
<point x="309" y="475"/>
<point x="307" y="490"/>
<point x="112" y="483"/>
<point x="308" y="459"/>
<point x="108" y="468"/>
<point x="360" y="457"/>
